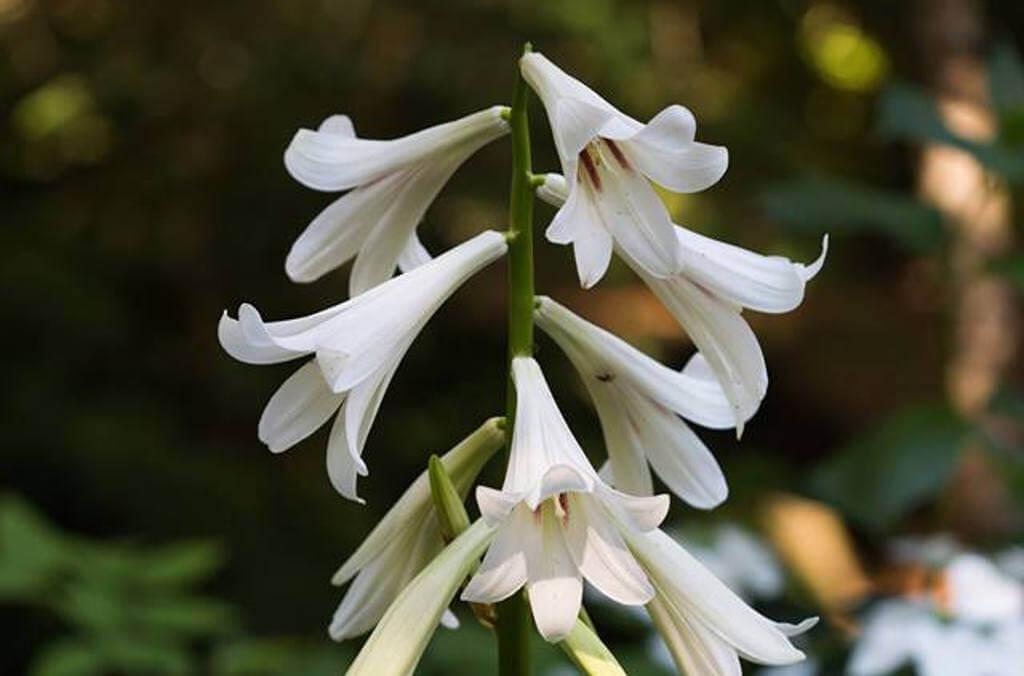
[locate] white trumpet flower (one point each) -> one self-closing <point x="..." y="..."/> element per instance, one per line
<point x="610" y="160"/>
<point x="557" y="522"/>
<point x="707" y="297"/>
<point x="639" y="403"/>
<point x="405" y="540"/>
<point x="706" y="626"/>
<point x="391" y="183"/>
<point x="358" y="345"/>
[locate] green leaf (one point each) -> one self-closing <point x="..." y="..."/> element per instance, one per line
<point x="32" y="552"/>
<point x="145" y="655"/>
<point x="277" y="657"/>
<point x="181" y="564"/>
<point x="68" y="657"/>
<point x="1006" y="78"/>
<point x="1012" y="270"/>
<point x="908" y="114"/>
<point x="893" y="469"/>
<point x="818" y="204"/>
<point x="189" y="616"/>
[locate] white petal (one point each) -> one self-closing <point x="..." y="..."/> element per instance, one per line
<point x="495" y="506"/>
<point x="503" y="571"/>
<point x="553" y="581"/>
<point x="413" y="255"/>
<point x="578" y="222"/>
<point x="462" y="463"/>
<point x="332" y="161"/>
<point x="362" y="406"/>
<point x="379" y="583"/>
<point x="449" y="620"/>
<point x="389" y="238"/>
<point x="297" y="409"/>
<point x="695" y="649"/>
<point x="236" y="344"/>
<point x="677" y="455"/>
<point x="799" y="628"/>
<point x="723" y="337"/>
<point x="665" y="152"/>
<point x="339" y="231"/>
<point x="602" y="556"/>
<point x="342" y="468"/>
<point x="626" y="455"/>
<point x="603" y="359"/>
<point x="764" y="283"/>
<point x="810" y="271"/>
<point x="401" y="636"/>
<point x="338" y="124"/>
<point x="636" y="217"/>
<point x="641" y="513"/>
<point x="541" y="441"/>
<point x="574" y="124"/>
<point x="689" y="589"/>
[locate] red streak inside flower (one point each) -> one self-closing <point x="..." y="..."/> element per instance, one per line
<point x="620" y="157"/>
<point x="588" y="165"/>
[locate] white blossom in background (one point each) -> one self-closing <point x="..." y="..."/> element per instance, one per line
<point x="740" y="559"/>
<point x="556" y="521"/>
<point x="357" y="347"/>
<point x="639" y="403"/>
<point x="391" y="184"/>
<point x="405" y="541"/>
<point x="610" y="159"/>
<point x="708" y="295"/>
<point x="975" y="627"/>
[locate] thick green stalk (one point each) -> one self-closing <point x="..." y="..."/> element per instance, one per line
<point x="513" y="626"/>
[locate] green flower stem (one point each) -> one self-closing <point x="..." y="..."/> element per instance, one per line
<point x="513" y="627"/>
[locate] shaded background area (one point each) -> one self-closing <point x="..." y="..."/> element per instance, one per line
<point x="143" y="193"/>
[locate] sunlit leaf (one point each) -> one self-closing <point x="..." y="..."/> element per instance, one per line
<point x="819" y="205"/>
<point x="908" y="459"/>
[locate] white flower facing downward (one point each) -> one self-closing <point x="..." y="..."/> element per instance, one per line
<point x="557" y="522"/>
<point x="405" y="540"/>
<point x="717" y="282"/>
<point x="706" y="626"/>
<point x="639" y="403"/>
<point x="610" y="160"/>
<point x="358" y="346"/>
<point x="392" y="184"/>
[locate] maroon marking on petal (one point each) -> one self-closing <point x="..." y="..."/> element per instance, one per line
<point x="606" y="377"/>
<point x="563" y="502"/>
<point x="620" y="157"/>
<point x="588" y="165"/>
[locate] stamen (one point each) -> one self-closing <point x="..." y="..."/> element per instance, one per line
<point x="588" y="165"/>
<point x="620" y="157"/>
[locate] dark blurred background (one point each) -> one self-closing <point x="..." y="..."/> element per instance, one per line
<point x="144" y="193"/>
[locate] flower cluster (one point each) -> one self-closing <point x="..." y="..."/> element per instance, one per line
<point x="556" y="520"/>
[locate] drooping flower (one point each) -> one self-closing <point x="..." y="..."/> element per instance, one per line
<point x="405" y="540"/>
<point x="717" y="282"/>
<point x="639" y="403"/>
<point x="399" y="639"/>
<point x="391" y="183"/>
<point x="706" y="626"/>
<point x="557" y="522"/>
<point x="357" y="346"/>
<point x="610" y="160"/>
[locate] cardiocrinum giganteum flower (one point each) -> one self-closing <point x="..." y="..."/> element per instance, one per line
<point x="639" y="403"/>
<point x="357" y="346"/>
<point x="707" y="297"/>
<point x="558" y="523"/>
<point x="391" y="184"/>
<point x="609" y="160"/>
